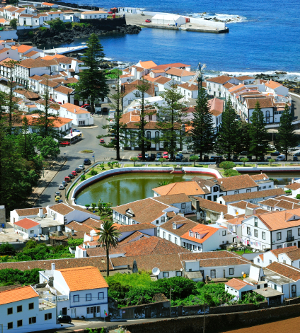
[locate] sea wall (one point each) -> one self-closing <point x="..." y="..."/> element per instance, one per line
<point x="260" y="169"/>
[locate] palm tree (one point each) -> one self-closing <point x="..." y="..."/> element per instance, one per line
<point x="109" y="237"/>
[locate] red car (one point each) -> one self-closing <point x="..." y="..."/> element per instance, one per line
<point x="65" y="143"/>
<point x="139" y="156"/>
<point x="74" y="173"/>
<point x="85" y="105"/>
<point x="165" y="154"/>
<point x="148" y="21"/>
<point x="102" y="141"/>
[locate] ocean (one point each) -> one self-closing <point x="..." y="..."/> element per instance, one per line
<point x="266" y="39"/>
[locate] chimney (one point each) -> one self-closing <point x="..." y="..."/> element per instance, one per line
<point x="41" y="213"/>
<point x="52" y="266"/>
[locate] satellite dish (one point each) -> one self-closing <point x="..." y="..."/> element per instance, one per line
<point x="155" y="271"/>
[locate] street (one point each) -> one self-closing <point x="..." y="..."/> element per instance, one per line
<point x="75" y="157"/>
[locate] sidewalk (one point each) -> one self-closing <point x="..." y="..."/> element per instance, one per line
<point x="45" y="180"/>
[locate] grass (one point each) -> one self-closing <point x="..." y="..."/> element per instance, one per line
<point x="240" y="252"/>
<point x="87" y="151"/>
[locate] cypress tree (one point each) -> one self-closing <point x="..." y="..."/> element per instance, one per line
<point x="228" y="136"/>
<point x="202" y="133"/>
<point x="286" y="136"/>
<point x="258" y="133"/>
<point x="92" y="83"/>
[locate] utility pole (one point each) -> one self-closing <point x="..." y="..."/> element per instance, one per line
<point x="170" y="303"/>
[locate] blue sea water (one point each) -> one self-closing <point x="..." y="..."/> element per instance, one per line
<point x="266" y="40"/>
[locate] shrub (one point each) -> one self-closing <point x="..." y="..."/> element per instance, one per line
<point x="288" y="191"/>
<point x="42" y="28"/>
<point x="227" y="165"/>
<point x="82" y="177"/>
<point x="231" y="172"/>
<point x="93" y="172"/>
<point x="298" y="196"/>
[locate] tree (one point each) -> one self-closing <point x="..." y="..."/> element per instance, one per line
<point x="194" y="158"/>
<point x="170" y="119"/>
<point x="57" y="25"/>
<point x="133" y="159"/>
<point x="286" y="136"/>
<point x="92" y="83"/>
<point x="258" y="133"/>
<point x="13" y="23"/>
<point x="202" y="133"/>
<point x="108" y="238"/>
<point x="244" y="160"/>
<point x="243" y="144"/>
<point x="11" y="64"/>
<point x="47" y="146"/>
<point x="145" y="111"/>
<point x="119" y="129"/>
<point x="228" y="136"/>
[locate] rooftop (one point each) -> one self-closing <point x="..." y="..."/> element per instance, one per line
<point x="17" y="294"/>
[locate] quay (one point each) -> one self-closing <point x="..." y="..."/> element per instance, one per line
<point x="65" y="50"/>
<point x="197" y="25"/>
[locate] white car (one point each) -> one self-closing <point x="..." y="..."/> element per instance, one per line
<point x="61" y="187"/>
<point x="81" y="167"/>
<point x="280" y="158"/>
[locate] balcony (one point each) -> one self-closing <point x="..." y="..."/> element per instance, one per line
<point x="290" y="238"/>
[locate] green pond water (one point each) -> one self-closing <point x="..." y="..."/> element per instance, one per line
<point x="124" y="188"/>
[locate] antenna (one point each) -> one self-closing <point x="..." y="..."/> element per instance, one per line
<point x="155" y="271"/>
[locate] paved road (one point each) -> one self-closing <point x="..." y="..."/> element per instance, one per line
<point x="75" y="157"/>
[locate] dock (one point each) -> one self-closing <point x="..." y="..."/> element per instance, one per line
<point x="140" y="20"/>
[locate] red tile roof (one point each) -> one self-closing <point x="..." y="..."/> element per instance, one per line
<point x="17" y="294"/>
<point x="285" y="270"/>
<point x="26" y="223"/>
<point x="237" y="284"/>
<point x="83" y="278"/>
<point x="204" y="231"/>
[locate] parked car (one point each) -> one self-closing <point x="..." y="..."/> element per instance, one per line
<point x="235" y="158"/>
<point x="67" y="179"/>
<point x="81" y="167"/>
<point x="102" y="141"/>
<point x="165" y="154"/>
<point x="61" y="187"/>
<point x="56" y="194"/>
<point x="75" y="130"/>
<point x="74" y="173"/>
<point x="64" y="183"/>
<point x="295" y="158"/>
<point x="71" y="176"/>
<point x="212" y="159"/>
<point x="179" y="157"/>
<point x="280" y="158"/>
<point x="275" y="153"/>
<point x="297" y="153"/>
<point x="78" y="170"/>
<point x="64" y="319"/>
<point x="151" y="157"/>
<point x="87" y="161"/>
<point x="158" y="156"/>
<point x="244" y="153"/>
<point x="65" y="143"/>
<point x="57" y="198"/>
<point x="148" y="21"/>
<point x="85" y="106"/>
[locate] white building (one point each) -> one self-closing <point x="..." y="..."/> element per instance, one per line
<point x="79" y="116"/>
<point x="274" y="230"/>
<point x="238" y="288"/>
<point x="277" y="255"/>
<point x="168" y="20"/>
<point x="84" y="289"/>
<point x="21" y="311"/>
<point x="27" y="228"/>
<point x="94" y="15"/>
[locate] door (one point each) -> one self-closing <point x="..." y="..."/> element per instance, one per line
<point x="289" y="235"/>
<point x="64" y="311"/>
<point x="73" y="312"/>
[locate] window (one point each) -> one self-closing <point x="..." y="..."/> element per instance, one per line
<point x="248" y="190"/>
<point x="163" y="219"/>
<point x="256" y="222"/>
<point x="267" y="116"/>
<point x="208" y="197"/>
<point x="270" y="261"/>
<point x="258" y="260"/>
<point x="248" y="231"/>
<point x="76" y="298"/>
<point x="9" y="311"/>
<point x="19" y="308"/>
<point x="19" y="323"/>
<point x="236" y="192"/>
<point x="263" y="235"/>
<point x="284" y="261"/>
<point x="157" y="221"/>
<point x="223" y="232"/>
<point x="178" y="273"/>
<point x="183" y="205"/>
<point x="48" y="316"/>
<point x="88" y="297"/>
<point x="101" y="295"/>
<point x="231" y="271"/>
<point x="30" y="306"/>
<point x="175" y="240"/>
<point x="278" y="235"/>
<point x="165" y="274"/>
<point x="10" y="326"/>
<point x="255" y="233"/>
<point x="32" y="320"/>
<point x="298" y="231"/>
<point x="164" y="234"/>
<point x="170" y="237"/>
<point x="275" y="286"/>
